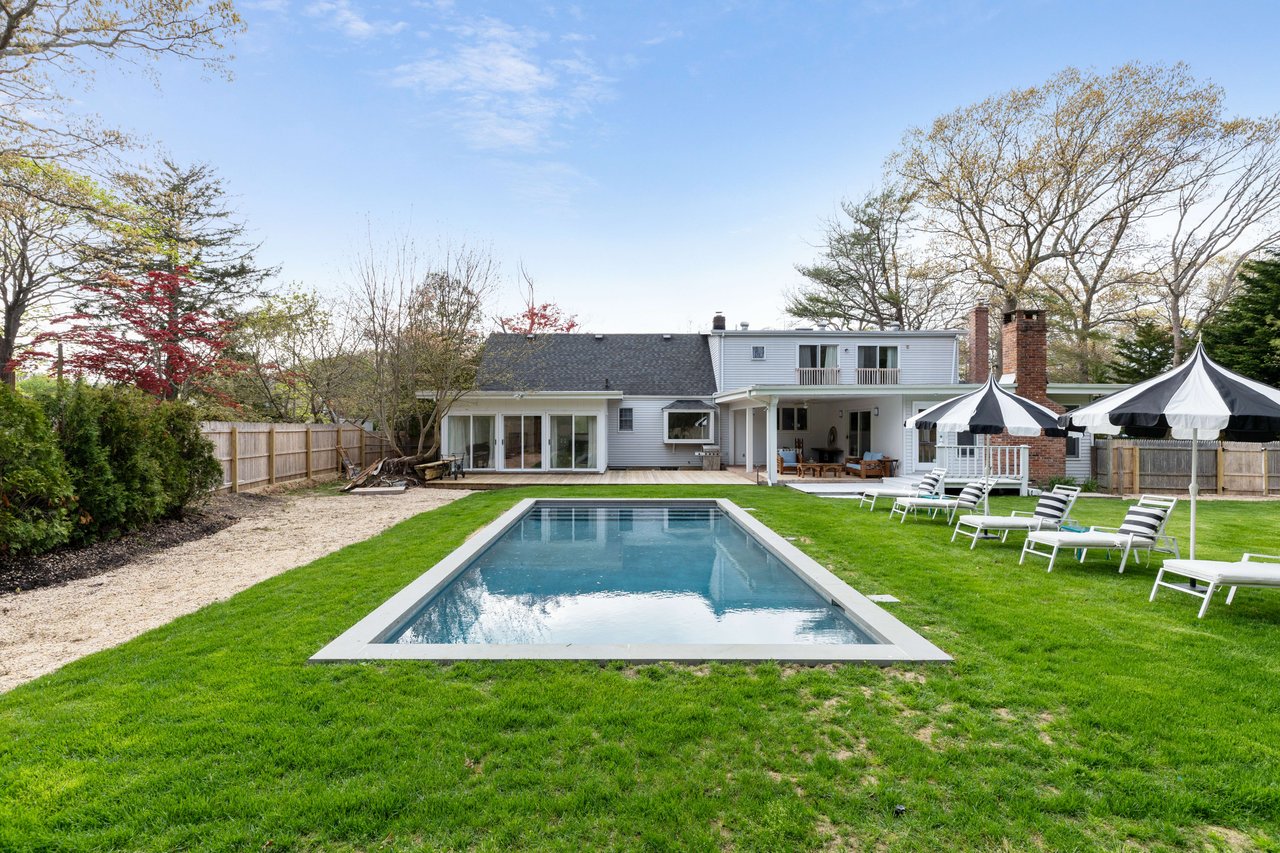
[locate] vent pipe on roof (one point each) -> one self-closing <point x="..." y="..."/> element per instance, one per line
<point x="666" y="337"/>
<point x="529" y="336"/>
<point x="744" y="325"/>
<point x="822" y="325"/>
<point x="599" y="337"/>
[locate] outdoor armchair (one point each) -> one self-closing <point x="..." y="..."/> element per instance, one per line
<point x="788" y="460"/>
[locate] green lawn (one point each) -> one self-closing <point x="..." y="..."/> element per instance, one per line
<point x="1075" y="716"/>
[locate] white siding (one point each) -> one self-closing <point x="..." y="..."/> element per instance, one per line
<point x="643" y="446"/>
<point x="921" y="359"/>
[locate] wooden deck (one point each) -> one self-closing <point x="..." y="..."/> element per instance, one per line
<point x="637" y="477"/>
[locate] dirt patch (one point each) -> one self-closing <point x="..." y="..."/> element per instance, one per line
<point x="43" y="629"/>
<point x="1223" y="838"/>
<point x="19" y="573"/>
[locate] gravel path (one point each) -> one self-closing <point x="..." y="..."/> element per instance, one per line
<point x="43" y="629"/>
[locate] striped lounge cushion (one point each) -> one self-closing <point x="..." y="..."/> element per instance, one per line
<point x="1052" y="507"/>
<point x="929" y="484"/>
<point x="971" y="494"/>
<point x="1143" y="521"/>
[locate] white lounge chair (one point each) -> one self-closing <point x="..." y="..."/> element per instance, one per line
<point x="1051" y="509"/>
<point x="1261" y="570"/>
<point x="1141" y="530"/>
<point x="970" y="496"/>
<point x="932" y="484"/>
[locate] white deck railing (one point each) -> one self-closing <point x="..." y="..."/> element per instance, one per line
<point x="861" y="375"/>
<point x="1007" y="462"/>
<point x="817" y="376"/>
<point x="877" y="376"/>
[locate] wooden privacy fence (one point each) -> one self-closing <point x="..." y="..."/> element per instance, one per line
<point x="1133" y="466"/>
<point x="255" y="454"/>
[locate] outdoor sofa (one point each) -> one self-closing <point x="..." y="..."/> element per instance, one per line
<point x="871" y="464"/>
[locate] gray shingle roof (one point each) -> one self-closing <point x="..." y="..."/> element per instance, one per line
<point x="678" y="365"/>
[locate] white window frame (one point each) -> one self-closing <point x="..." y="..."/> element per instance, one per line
<point x="711" y="427"/>
<point x="879" y="348"/>
<point x="836" y="347"/>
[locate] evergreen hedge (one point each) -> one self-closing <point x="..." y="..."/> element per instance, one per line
<point x="114" y="461"/>
<point x="35" y="492"/>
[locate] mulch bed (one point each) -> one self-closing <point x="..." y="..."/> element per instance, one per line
<point x="20" y="572"/>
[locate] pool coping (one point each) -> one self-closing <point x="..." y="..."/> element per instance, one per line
<point x="900" y="643"/>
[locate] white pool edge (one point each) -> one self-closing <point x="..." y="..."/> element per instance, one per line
<point x="901" y="644"/>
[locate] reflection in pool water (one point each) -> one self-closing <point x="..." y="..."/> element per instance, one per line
<point x="628" y="574"/>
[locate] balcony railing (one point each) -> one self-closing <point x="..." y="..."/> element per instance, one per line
<point x="877" y="376"/>
<point x="817" y="376"/>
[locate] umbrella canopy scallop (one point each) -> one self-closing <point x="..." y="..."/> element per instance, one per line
<point x="1198" y="399"/>
<point x="990" y="410"/>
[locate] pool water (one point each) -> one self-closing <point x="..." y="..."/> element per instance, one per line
<point x="613" y="573"/>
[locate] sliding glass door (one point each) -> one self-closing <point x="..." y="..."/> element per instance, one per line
<point x="573" y="441"/>
<point x="471" y="439"/>
<point x="522" y="441"/>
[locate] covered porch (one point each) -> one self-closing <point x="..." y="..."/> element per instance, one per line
<point x="843" y="422"/>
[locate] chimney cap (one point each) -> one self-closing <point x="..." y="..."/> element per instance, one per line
<point x="744" y="325"/>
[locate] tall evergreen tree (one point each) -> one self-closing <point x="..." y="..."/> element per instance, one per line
<point x="180" y="224"/>
<point x="1245" y="336"/>
<point x="1148" y="353"/>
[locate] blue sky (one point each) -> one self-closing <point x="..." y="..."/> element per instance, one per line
<point x="648" y="163"/>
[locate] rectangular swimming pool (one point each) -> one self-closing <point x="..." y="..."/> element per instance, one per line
<point x="635" y="580"/>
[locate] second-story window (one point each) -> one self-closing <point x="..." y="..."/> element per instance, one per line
<point x="757" y="352"/>
<point x="877" y="365"/>
<point x="818" y="355"/>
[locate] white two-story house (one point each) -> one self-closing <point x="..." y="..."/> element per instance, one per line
<point x="587" y="402"/>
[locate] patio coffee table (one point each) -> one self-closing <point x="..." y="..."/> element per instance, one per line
<point x="817" y="469"/>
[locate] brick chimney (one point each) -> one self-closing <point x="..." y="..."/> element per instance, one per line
<point x="979" y="344"/>
<point x="717" y="322"/>
<point x="1024" y="347"/>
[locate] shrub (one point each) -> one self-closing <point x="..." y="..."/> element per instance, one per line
<point x="129" y="438"/>
<point x="188" y="470"/>
<point x="35" y="492"/>
<point x="100" y="498"/>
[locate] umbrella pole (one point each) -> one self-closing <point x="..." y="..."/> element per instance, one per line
<point x="1195" y="486"/>
<point x="986" y="473"/>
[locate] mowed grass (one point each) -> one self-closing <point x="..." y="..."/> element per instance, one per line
<point x="1075" y="716"/>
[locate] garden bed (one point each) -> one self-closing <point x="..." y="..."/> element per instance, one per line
<point x="22" y="572"/>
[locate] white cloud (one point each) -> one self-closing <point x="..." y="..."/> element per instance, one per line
<point x="348" y="20"/>
<point x="498" y="87"/>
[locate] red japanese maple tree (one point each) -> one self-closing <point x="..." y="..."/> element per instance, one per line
<point x="140" y="335"/>
<point x="538" y="317"/>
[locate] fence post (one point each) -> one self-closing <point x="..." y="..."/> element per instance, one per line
<point x="235" y="459"/>
<point x="1219" y="468"/>
<point x="271" y="455"/>
<point x="1266" y="475"/>
<point x="337" y="449"/>
<point x="1116" y="486"/>
<point x="308" y="445"/>
<point x="362" y="462"/>
<point x="1135" y="454"/>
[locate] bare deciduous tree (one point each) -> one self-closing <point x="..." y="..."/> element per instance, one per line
<point x="1227" y="209"/>
<point x="1054" y="183"/>
<point x="45" y="42"/>
<point x="421" y="326"/>
<point x="43" y="226"/>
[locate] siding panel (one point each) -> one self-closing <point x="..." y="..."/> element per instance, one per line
<point x="643" y="447"/>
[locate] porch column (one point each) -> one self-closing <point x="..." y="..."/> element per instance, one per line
<point x="771" y="439"/>
<point x="750" y="412"/>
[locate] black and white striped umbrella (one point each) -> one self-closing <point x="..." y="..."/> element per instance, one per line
<point x="1197" y="399"/>
<point x="991" y="410"/>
